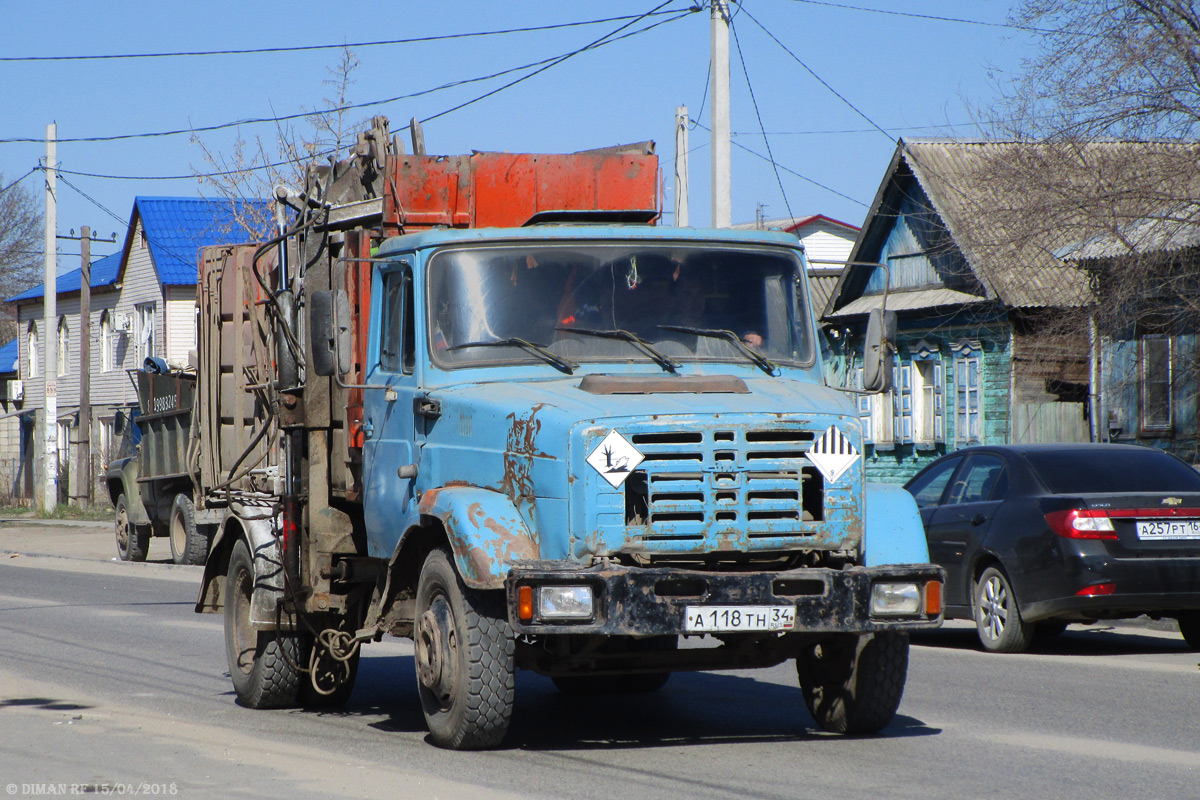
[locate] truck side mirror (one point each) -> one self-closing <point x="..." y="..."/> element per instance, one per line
<point x="329" y="322"/>
<point x="878" y="349"/>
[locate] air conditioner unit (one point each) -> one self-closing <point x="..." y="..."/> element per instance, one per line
<point x="122" y="322"/>
<point x="15" y="390"/>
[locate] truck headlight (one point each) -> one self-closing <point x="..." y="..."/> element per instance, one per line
<point x="895" y="599"/>
<point x="565" y="602"/>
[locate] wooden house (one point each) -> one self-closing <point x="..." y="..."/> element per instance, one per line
<point x="982" y="356"/>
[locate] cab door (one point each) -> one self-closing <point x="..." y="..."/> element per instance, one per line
<point x="390" y="447"/>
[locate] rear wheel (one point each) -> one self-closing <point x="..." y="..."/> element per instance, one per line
<point x="264" y="665"/>
<point x="1189" y="627"/>
<point x="997" y="618"/>
<point x="853" y="684"/>
<point x="133" y="541"/>
<point x="463" y="654"/>
<point x="188" y="544"/>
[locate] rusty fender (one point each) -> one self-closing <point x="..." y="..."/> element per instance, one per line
<point x="487" y="535"/>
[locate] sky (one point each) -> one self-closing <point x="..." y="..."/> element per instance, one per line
<point x="833" y="84"/>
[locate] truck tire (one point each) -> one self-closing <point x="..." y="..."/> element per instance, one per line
<point x="263" y="665"/>
<point x="133" y="541"/>
<point x="1189" y="628"/>
<point x="853" y="684"/>
<point x="463" y="655"/>
<point x="188" y="544"/>
<point x="997" y="617"/>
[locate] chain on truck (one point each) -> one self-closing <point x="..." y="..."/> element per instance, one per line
<point x="485" y="403"/>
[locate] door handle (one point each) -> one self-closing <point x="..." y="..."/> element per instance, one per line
<point x="368" y="427"/>
<point x="978" y="519"/>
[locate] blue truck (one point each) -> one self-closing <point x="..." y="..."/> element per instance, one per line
<point x="484" y="403"/>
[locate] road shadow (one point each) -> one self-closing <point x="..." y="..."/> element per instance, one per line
<point x="44" y="703"/>
<point x="694" y="708"/>
<point x="1077" y="640"/>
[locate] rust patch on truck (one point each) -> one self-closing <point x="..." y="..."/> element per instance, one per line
<point x="519" y="451"/>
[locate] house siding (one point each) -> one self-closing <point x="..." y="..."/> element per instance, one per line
<point x="180" y="321"/>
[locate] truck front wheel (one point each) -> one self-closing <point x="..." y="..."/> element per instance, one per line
<point x="853" y="684"/>
<point x="463" y="653"/>
<point x="264" y="665"/>
<point x="133" y="541"/>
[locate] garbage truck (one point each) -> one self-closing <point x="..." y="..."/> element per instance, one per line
<point x="485" y="403"/>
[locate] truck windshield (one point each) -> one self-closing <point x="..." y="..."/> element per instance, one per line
<point x="672" y="297"/>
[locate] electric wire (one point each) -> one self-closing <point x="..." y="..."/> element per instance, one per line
<point x="933" y="17"/>
<point x="18" y="180"/>
<point x="603" y="40"/>
<point x="758" y="114"/>
<point x="790" y="171"/>
<point x="345" y="45"/>
<point x="542" y="64"/>
<point x="818" y="78"/>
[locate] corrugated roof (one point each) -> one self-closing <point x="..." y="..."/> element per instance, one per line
<point x="791" y="223"/>
<point x="907" y="301"/>
<point x="1168" y="232"/>
<point x="104" y="273"/>
<point x="9" y="354"/>
<point x="1012" y="245"/>
<point x="821" y="286"/>
<point x="177" y="227"/>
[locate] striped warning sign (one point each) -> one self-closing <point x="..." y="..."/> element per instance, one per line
<point x="832" y="454"/>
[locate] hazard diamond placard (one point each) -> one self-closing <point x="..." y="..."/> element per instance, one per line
<point x="832" y="454"/>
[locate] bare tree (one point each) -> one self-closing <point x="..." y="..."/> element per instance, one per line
<point x="251" y="169"/>
<point x="1108" y="68"/>
<point x="21" y="243"/>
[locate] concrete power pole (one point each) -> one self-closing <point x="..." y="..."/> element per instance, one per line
<point x="722" y="204"/>
<point x="83" y="455"/>
<point x="50" y="326"/>
<point x="681" y="167"/>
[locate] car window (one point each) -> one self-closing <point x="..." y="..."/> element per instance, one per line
<point x="1102" y="470"/>
<point x="980" y="481"/>
<point x="928" y="486"/>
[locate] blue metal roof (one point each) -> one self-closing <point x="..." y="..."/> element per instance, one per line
<point x="8" y="356"/>
<point x="104" y="273"/>
<point x="177" y="227"/>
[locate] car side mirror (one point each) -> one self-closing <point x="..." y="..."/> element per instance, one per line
<point x="878" y="350"/>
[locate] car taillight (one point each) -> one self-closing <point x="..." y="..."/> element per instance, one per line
<point x="1081" y="523"/>
<point x="1097" y="590"/>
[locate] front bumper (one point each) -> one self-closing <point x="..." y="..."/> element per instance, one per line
<point x="635" y="601"/>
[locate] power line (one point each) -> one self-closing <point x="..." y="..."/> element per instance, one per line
<point x="603" y="40"/>
<point x="819" y="79"/>
<point x="544" y="64"/>
<point x="94" y="201"/>
<point x="932" y="17"/>
<point x="790" y="171"/>
<point x="18" y="180"/>
<point x="754" y="101"/>
<point x="306" y="48"/>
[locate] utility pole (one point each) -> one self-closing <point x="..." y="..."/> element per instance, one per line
<point x="83" y="456"/>
<point x="681" y="167"/>
<point x="50" y="326"/>
<point x="722" y="204"/>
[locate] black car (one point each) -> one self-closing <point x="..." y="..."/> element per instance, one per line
<point x="1037" y="536"/>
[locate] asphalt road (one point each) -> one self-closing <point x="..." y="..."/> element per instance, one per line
<point x="110" y="683"/>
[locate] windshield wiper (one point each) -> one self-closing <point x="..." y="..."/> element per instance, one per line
<point x="767" y="366"/>
<point x="565" y="364"/>
<point x="659" y="358"/>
